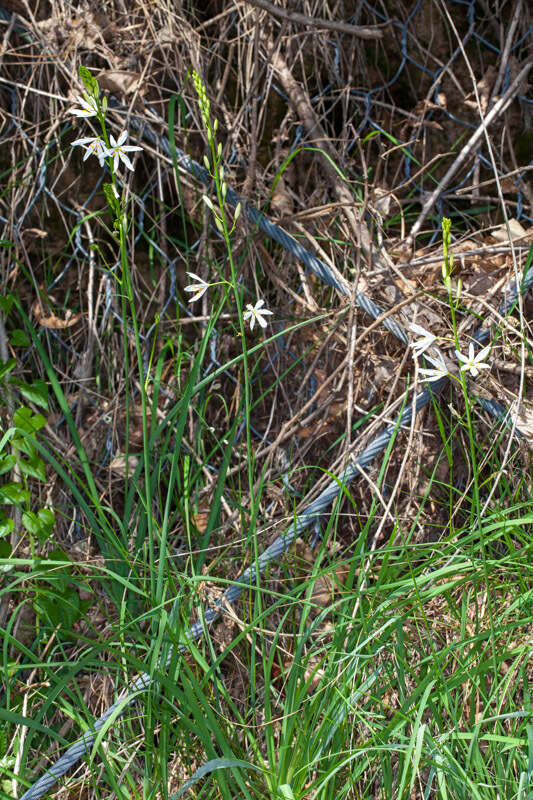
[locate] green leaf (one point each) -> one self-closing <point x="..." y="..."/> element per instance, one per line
<point x="40" y="524"/>
<point x="90" y="83"/>
<point x="24" y="444"/>
<point x="6" y="526"/>
<point x="5" y="548"/>
<point x="58" y="608"/>
<point x="26" y="420"/>
<point x="7" y="462"/>
<point x="285" y="792"/>
<point x="14" y="493"/>
<point x="6" y="301"/>
<point x="7" y="366"/>
<point x="33" y="468"/>
<point x="36" y="392"/>
<point x="19" y="338"/>
<point x="47" y="519"/>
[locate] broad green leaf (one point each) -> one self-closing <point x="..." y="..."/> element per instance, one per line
<point x="36" y="392"/>
<point x="5" y="548"/>
<point x="6" y="301"/>
<point x="39" y="524"/>
<point x="18" y="338"/>
<point x="33" y="468"/>
<point x="6" y="527"/>
<point x="24" y="444"/>
<point x="26" y="420"/>
<point x="58" y="608"/>
<point x="7" y="462"/>
<point x="13" y="493"/>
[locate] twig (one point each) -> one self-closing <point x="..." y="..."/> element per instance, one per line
<point x="502" y="104"/>
<point x="306" y="113"/>
<point x="363" y="31"/>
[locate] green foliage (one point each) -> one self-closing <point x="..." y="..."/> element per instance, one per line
<point x="56" y="600"/>
<point x="40" y="524"/>
<point x="23" y="460"/>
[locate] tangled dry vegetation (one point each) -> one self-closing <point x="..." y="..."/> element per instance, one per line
<point x="340" y="133"/>
<point x="347" y="101"/>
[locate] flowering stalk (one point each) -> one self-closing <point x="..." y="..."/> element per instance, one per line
<point x="214" y="166"/>
<point x="468" y="363"/>
<point x="114" y="152"/>
<point x="216" y="170"/>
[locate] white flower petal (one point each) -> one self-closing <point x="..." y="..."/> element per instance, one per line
<point x="481" y="356"/>
<point x="256" y="313"/>
<point x="419" y="329"/>
<point x="125" y="160"/>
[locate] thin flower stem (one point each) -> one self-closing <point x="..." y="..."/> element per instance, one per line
<point x="127" y="293"/>
<point x="469" y="425"/>
<point x="226" y="233"/>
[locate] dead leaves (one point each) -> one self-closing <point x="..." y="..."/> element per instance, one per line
<point x="120" y="82"/>
<point x="50" y="320"/>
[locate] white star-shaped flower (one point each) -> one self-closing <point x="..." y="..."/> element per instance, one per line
<point x="426" y="340"/>
<point x="440" y="369"/>
<point x="94" y="145"/>
<point x="473" y="363"/>
<point x="256" y="312"/>
<point x="89" y="107"/>
<point x="198" y="288"/>
<point x="119" y="149"/>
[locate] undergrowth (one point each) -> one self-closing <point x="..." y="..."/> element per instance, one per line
<point x="176" y="395"/>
